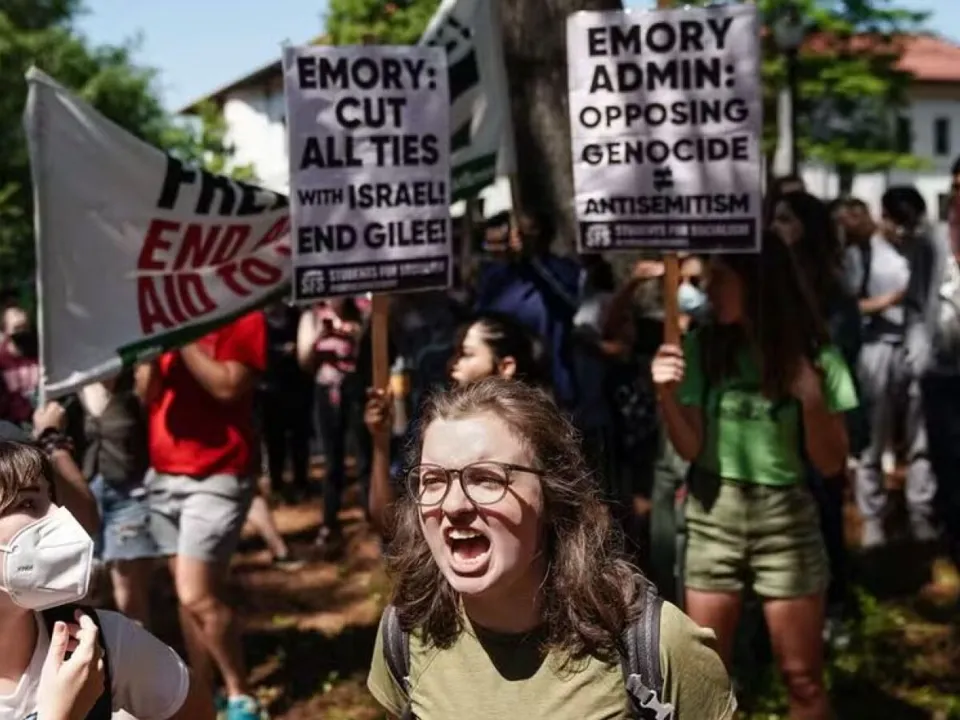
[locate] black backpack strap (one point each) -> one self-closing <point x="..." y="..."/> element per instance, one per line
<point x="641" y="661"/>
<point x="103" y="709"/>
<point x="396" y="651"/>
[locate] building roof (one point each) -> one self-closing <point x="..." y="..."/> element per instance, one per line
<point x="931" y="59"/>
<point x="273" y="69"/>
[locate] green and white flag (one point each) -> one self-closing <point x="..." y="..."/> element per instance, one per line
<point x="482" y="136"/>
<point x="136" y="253"/>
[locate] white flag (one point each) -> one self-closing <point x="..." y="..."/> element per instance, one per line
<point x="482" y="135"/>
<point x="136" y="253"/>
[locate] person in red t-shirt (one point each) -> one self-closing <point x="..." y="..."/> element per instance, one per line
<point x="201" y="438"/>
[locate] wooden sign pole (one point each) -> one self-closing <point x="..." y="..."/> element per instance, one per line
<point x="379" y="349"/>
<point x="671" y="275"/>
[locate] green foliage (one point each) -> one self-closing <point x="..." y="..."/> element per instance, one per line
<point x="39" y="32"/>
<point x="401" y="22"/>
<point x="850" y="88"/>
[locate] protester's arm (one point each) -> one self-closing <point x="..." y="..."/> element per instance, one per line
<point x="559" y="292"/>
<point x="680" y="393"/>
<point x="69" y="687"/>
<point x="226" y="381"/>
<point x="146" y="382"/>
<point x="73" y="492"/>
<point x="684" y="425"/>
<point x="874" y="305"/>
<point x="377" y="417"/>
<point x="70" y="486"/>
<point x="825" y="438"/>
<point x="307" y="342"/>
<point x="825" y="428"/>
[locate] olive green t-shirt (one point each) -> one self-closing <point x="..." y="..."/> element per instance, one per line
<point x="748" y="437"/>
<point x="486" y="675"/>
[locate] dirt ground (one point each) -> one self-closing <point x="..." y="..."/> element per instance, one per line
<point x="309" y="633"/>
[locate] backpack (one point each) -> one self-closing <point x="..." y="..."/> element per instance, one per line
<point x="640" y="661"/>
<point x="103" y="709"/>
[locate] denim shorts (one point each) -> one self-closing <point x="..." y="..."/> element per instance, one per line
<point x="124" y="521"/>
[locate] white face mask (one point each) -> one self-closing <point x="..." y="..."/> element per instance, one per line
<point x="691" y="299"/>
<point x="47" y="563"/>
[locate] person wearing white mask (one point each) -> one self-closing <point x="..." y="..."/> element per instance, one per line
<point x="61" y="661"/>
<point x="691" y="299"/>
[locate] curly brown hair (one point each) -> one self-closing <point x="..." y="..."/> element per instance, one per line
<point x="590" y="593"/>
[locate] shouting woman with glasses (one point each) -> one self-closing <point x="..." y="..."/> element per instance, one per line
<point x="510" y="594"/>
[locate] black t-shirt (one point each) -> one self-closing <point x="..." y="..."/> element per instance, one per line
<point x="283" y="373"/>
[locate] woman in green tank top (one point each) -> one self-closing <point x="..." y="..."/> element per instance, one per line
<point x="750" y="398"/>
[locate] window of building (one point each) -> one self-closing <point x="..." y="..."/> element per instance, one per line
<point x="941" y="136"/>
<point x="904" y="137"/>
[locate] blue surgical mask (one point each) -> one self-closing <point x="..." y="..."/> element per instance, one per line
<point x="691" y="299"/>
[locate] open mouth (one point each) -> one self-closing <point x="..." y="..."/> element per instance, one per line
<point x="468" y="547"/>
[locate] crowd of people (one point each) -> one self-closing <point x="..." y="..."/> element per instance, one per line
<point x="528" y="409"/>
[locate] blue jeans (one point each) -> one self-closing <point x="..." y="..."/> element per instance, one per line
<point x="125" y="521"/>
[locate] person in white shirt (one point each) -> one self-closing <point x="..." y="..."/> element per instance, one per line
<point x="45" y="564"/>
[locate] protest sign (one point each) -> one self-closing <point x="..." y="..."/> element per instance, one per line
<point x="481" y="143"/>
<point x="136" y="253"/>
<point x="369" y="138"/>
<point x="665" y="112"/>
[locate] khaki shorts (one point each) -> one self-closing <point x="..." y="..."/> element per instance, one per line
<point x="198" y="517"/>
<point x="744" y="534"/>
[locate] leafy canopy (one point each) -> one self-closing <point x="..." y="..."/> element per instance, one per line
<point x="41" y="33"/>
<point x="850" y="88"/>
<point x="401" y="22"/>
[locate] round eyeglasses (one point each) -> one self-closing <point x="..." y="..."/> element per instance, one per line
<point x="484" y="483"/>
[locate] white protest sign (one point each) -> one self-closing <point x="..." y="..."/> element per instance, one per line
<point x="665" y="113"/>
<point x="136" y="253"/>
<point x="369" y="136"/>
<point x="481" y="144"/>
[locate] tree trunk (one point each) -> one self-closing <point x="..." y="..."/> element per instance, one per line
<point x="534" y="41"/>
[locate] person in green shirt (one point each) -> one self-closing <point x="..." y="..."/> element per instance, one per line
<point x="509" y="579"/>
<point x="750" y="398"/>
